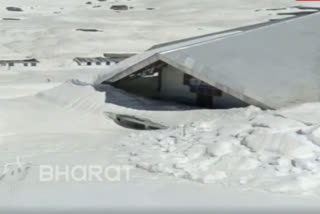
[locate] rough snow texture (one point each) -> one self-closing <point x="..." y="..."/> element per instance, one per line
<point x="247" y="148"/>
<point x="255" y="149"/>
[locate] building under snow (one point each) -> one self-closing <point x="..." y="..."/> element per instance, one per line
<point x="270" y="66"/>
<point x="117" y="57"/>
<point x="25" y="63"/>
<point x="107" y="60"/>
<point x="92" y="61"/>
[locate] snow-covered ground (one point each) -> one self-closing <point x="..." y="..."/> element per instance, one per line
<point x="47" y="30"/>
<point x="232" y="160"/>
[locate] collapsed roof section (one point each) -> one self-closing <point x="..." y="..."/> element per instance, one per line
<point x="271" y="67"/>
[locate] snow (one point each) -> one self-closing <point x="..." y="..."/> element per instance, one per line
<point x="235" y="150"/>
<point x="47" y="25"/>
<point x="235" y="160"/>
<point x="244" y="149"/>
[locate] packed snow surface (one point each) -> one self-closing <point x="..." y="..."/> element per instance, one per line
<point x="247" y="147"/>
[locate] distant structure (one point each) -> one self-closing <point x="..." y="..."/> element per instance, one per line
<point x="119" y="7"/>
<point x="118" y="57"/>
<point x="92" y="61"/>
<point x="107" y="60"/>
<point x="19" y="63"/>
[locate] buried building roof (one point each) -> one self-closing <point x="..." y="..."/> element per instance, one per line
<point x="271" y="66"/>
<point x="25" y="62"/>
<point x="80" y="60"/>
<point x="19" y="61"/>
<point x="118" y="57"/>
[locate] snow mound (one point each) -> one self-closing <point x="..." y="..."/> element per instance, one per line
<point x="263" y="150"/>
<point x="76" y="96"/>
<point x="308" y="113"/>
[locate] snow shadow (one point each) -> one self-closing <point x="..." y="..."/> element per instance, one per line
<point x="124" y="99"/>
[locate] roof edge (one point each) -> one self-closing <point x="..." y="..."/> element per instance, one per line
<point x="133" y="68"/>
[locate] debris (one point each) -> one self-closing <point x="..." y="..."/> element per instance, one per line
<point x="14" y="9"/>
<point x="119" y="7"/>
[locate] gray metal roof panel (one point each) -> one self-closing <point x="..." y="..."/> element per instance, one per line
<point x="137" y="62"/>
<point x="277" y="65"/>
<point x="272" y="66"/>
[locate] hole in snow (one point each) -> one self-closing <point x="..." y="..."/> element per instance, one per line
<point x="133" y="122"/>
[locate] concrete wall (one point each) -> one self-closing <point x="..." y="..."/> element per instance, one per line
<point x="172" y="86"/>
<point x="227" y="101"/>
<point x="142" y="86"/>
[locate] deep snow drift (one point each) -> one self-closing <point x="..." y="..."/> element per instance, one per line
<point x="276" y="151"/>
<point x="252" y="148"/>
<point x="240" y="152"/>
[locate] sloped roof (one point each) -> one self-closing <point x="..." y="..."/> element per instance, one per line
<point x="271" y="67"/>
<point x="80" y="60"/>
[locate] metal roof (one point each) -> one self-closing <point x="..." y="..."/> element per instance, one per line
<point x="80" y="60"/>
<point x="118" y="55"/>
<point x="271" y="67"/>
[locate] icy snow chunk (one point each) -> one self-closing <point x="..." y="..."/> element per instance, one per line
<point x="276" y="122"/>
<point x="234" y="129"/>
<point x="315" y="136"/>
<point x="248" y="163"/>
<point x="283" y="166"/>
<point x="204" y="127"/>
<point x="196" y="151"/>
<point x="304" y="164"/>
<point x="234" y="163"/>
<point x="288" y="144"/>
<point x="168" y="144"/>
<point x="214" y="177"/>
<point x="221" y="148"/>
<point x="284" y="162"/>
<point x="205" y="165"/>
<point x="260" y="150"/>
